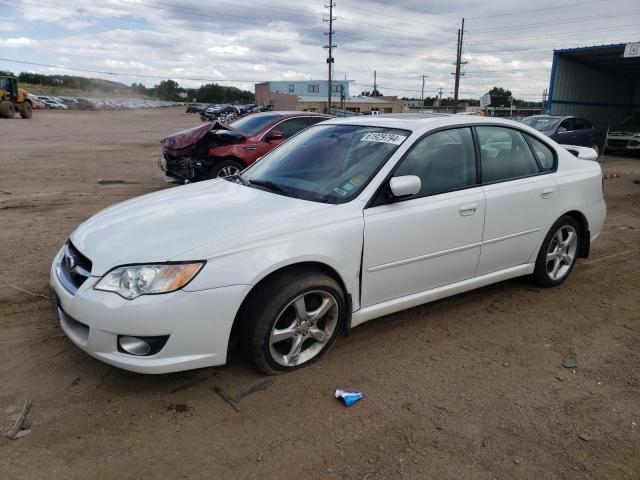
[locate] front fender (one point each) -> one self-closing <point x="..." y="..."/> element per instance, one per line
<point x="337" y="245"/>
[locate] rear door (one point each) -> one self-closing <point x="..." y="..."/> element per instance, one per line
<point x="521" y="196"/>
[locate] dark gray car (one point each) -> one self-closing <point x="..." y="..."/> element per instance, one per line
<point x="568" y="130"/>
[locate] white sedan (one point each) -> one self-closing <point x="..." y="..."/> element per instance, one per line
<point x="350" y="220"/>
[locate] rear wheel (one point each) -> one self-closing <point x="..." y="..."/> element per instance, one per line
<point x="26" y="110"/>
<point x="7" y="109"/>
<point x="292" y="321"/>
<point x="224" y="168"/>
<point x="558" y="253"/>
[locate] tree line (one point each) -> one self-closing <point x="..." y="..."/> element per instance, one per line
<point x="165" y="90"/>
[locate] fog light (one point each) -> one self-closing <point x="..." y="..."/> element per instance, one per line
<point x="134" y="346"/>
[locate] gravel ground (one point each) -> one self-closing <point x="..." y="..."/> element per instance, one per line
<point x="470" y="387"/>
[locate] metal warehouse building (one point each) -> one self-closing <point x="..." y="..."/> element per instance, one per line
<point x="600" y="83"/>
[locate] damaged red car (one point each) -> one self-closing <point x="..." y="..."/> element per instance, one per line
<point x="213" y="149"/>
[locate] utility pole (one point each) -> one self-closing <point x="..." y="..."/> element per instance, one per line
<point x="422" y="94"/>
<point x="330" y="47"/>
<point x="375" y="85"/>
<point x="459" y="63"/>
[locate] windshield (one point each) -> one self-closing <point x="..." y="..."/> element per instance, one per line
<point x="542" y="124"/>
<point x="326" y="163"/>
<point x="632" y="122"/>
<point x="254" y="123"/>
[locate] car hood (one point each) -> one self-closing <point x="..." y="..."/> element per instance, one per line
<point x="190" y="136"/>
<point x="625" y="130"/>
<point x="158" y="227"/>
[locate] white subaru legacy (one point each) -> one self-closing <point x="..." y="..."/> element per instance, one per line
<point x="349" y="220"/>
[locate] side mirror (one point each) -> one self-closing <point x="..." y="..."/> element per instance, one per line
<point x="404" y="186"/>
<point x="274" y="135"/>
<point x="561" y="130"/>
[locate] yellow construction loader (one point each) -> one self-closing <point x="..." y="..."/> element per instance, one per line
<point x="13" y="98"/>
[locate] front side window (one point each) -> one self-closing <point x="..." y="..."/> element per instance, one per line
<point x="326" y="163"/>
<point x="504" y="154"/>
<point x="566" y="124"/>
<point x="444" y="161"/>
<point x="543" y="153"/>
<point x="252" y="124"/>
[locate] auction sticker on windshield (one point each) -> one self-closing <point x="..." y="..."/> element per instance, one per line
<point x="383" y="138"/>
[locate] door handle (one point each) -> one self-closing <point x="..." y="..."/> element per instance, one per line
<point x="547" y="193"/>
<point x="468" y="209"/>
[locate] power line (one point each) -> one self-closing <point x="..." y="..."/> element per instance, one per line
<point x="524" y="12"/>
<point x="555" y="22"/>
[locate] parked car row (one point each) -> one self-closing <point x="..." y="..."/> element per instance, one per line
<point x="82" y="103"/>
<point x="569" y="130"/>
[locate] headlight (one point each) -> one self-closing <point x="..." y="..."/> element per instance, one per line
<point x="132" y="281"/>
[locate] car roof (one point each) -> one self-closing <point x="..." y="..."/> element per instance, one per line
<point x="292" y="113"/>
<point x="421" y="123"/>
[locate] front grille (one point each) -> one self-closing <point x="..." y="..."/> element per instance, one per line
<point x="617" y="143"/>
<point x="74" y="268"/>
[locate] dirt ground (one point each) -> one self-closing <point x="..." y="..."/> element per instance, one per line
<point x="470" y="387"/>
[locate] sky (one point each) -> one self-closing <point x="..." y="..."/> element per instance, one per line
<point x="506" y="43"/>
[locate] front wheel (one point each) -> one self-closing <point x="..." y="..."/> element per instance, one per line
<point x="558" y="253"/>
<point x="26" y="110"/>
<point x="292" y="321"/>
<point x="225" y="167"/>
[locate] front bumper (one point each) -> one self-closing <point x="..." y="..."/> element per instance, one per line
<point x="198" y="324"/>
<point x="183" y="169"/>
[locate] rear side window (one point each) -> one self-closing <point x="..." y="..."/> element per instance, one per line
<point x="292" y="126"/>
<point x="444" y="161"/>
<point x="581" y="124"/>
<point x="504" y="154"/>
<point x="543" y="153"/>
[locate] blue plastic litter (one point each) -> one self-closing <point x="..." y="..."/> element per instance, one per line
<point x="349" y="398"/>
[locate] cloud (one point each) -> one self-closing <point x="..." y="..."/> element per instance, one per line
<point x="507" y="42"/>
<point x="20" y="42"/>
<point x="7" y="26"/>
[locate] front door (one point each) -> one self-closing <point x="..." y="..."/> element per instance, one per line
<point x="433" y="238"/>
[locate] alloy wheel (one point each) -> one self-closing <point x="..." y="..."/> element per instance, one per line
<point x="562" y="252"/>
<point x="228" y="171"/>
<point x="303" y="328"/>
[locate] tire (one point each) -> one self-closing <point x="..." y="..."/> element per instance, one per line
<point x="225" y="167"/>
<point x="596" y="147"/>
<point x="280" y="331"/>
<point x="27" y="110"/>
<point x="558" y="253"/>
<point x="7" y="109"/>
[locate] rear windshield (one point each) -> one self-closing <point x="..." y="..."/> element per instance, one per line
<point x="254" y="123"/>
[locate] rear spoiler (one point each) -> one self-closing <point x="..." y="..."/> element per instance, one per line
<point x="584" y="153"/>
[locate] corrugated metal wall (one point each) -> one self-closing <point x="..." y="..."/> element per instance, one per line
<point x="599" y="97"/>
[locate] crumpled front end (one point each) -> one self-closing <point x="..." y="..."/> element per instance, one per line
<point x="186" y="153"/>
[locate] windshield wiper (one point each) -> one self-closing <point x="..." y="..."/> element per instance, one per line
<point x="272" y="186"/>
<point x="233" y="178"/>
